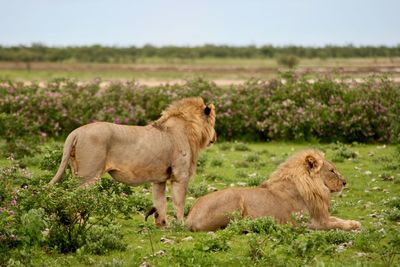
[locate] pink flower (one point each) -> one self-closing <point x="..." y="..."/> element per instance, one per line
<point x="14" y="198"/>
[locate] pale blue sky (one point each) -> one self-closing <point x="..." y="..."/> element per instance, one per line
<point x="189" y="22"/>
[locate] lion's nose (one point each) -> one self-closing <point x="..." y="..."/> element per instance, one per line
<point x="344" y="183"/>
<point x="214" y="139"/>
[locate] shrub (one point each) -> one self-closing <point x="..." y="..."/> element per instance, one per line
<point x="52" y="155"/>
<point x="242" y="164"/>
<point x="253" y="158"/>
<point x="69" y="226"/>
<point x="342" y="152"/>
<point x="368" y="240"/>
<point x="255" y="180"/>
<point x="214" y="242"/>
<point x="338" y="236"/>
<point x="189" y="257"/>
<point x="325" y="110"/>
<point x="8" y="230"/>
<point x="212" y="177"/>
<point x="288" y="61"/>
<point x="31" y="231"/>
<point x="241" y="147"/>
<point x="20" y="147"/>
<point x="198" y="190"/>
<point x="102" y="239"/>
<point x="392" y="210"/>
<point x="201" y="162"/>
<point x="35" y="215"/>
<point x="262" y="225"/>
<point x="137" y="202"/>
<point x="225" y="146"/>
<point x="391" y="250"/>
<point x="217" y="163"/>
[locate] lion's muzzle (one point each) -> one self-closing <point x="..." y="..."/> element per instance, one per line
<point x="213" y="139"/>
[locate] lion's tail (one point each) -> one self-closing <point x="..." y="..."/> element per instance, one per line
<point x="69" y="144"/>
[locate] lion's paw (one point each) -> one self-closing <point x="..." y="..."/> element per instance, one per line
<point x="354" y="225"/>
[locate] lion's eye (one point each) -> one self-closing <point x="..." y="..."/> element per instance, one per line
<point x="332" y="170"/>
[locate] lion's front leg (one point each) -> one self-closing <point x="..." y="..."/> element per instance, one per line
<point x="335" y="223"/>
<point x="345" y="224"/>
<point x="178" y="196"/>
<point x="160" y="203"/>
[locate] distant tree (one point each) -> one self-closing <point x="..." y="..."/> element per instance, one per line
<point x="289" y="61"/>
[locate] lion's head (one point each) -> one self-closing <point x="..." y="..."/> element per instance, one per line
<point x="199" y="122"/>
<point x="331" y="177"/>
<point x="313" y="176"/>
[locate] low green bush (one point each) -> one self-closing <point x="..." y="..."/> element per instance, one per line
<point x="288" y="61"/>
<point x="217" y="163"/>
<point x="201" y="162"/>
<point x="392" y="211"/>
<point x="255" y="180"/>
<point x="342" y="152"/>
<point x="36" y="215"/>
<point x="391" y="250"/>
<point x="214" y="242"/>
<point x="212" y="177"/>
<point x="369" y="239"/>
<point x="52" y="155"/>
<point x="198" y="190"/>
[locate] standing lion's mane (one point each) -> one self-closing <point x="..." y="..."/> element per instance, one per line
<point x="199" y="126"/>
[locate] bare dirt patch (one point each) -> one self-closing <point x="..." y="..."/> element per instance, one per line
<point x="377" y="68"/>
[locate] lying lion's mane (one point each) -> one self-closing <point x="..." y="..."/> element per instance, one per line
<point x="313" y="191"/>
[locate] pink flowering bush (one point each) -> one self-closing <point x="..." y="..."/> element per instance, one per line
<point x="289" y="109"/>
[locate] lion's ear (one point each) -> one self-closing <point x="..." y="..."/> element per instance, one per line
<point x="207" y="110"/>
<point x="312" y="163"/>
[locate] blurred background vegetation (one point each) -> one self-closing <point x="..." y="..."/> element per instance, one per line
<point x="106" y="54"/>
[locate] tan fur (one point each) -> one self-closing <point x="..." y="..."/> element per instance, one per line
<point x="164" y="150"/>
<point x="303" y="183"/>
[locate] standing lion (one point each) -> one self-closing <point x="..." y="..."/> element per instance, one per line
<point x="303" y="183"/>
<point x="164" y="150"/>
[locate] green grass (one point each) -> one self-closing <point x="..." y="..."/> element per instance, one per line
<point x="233" y="164"/>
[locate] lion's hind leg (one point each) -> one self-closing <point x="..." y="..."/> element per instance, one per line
<point x="89" y="165"/>
<point x="212" y="212"/>
<point x="91" y="175"/>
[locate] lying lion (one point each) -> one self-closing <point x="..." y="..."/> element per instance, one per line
<point x="303" y="183"/>
<point x="164" y="150"/>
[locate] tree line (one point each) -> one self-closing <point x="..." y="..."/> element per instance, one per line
<point x="111" y="54"/>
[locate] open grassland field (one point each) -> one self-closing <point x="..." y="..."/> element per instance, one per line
<point x="122" y="238"/>
<point x="355" y="122"/>
<point x="154" y="71"/>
